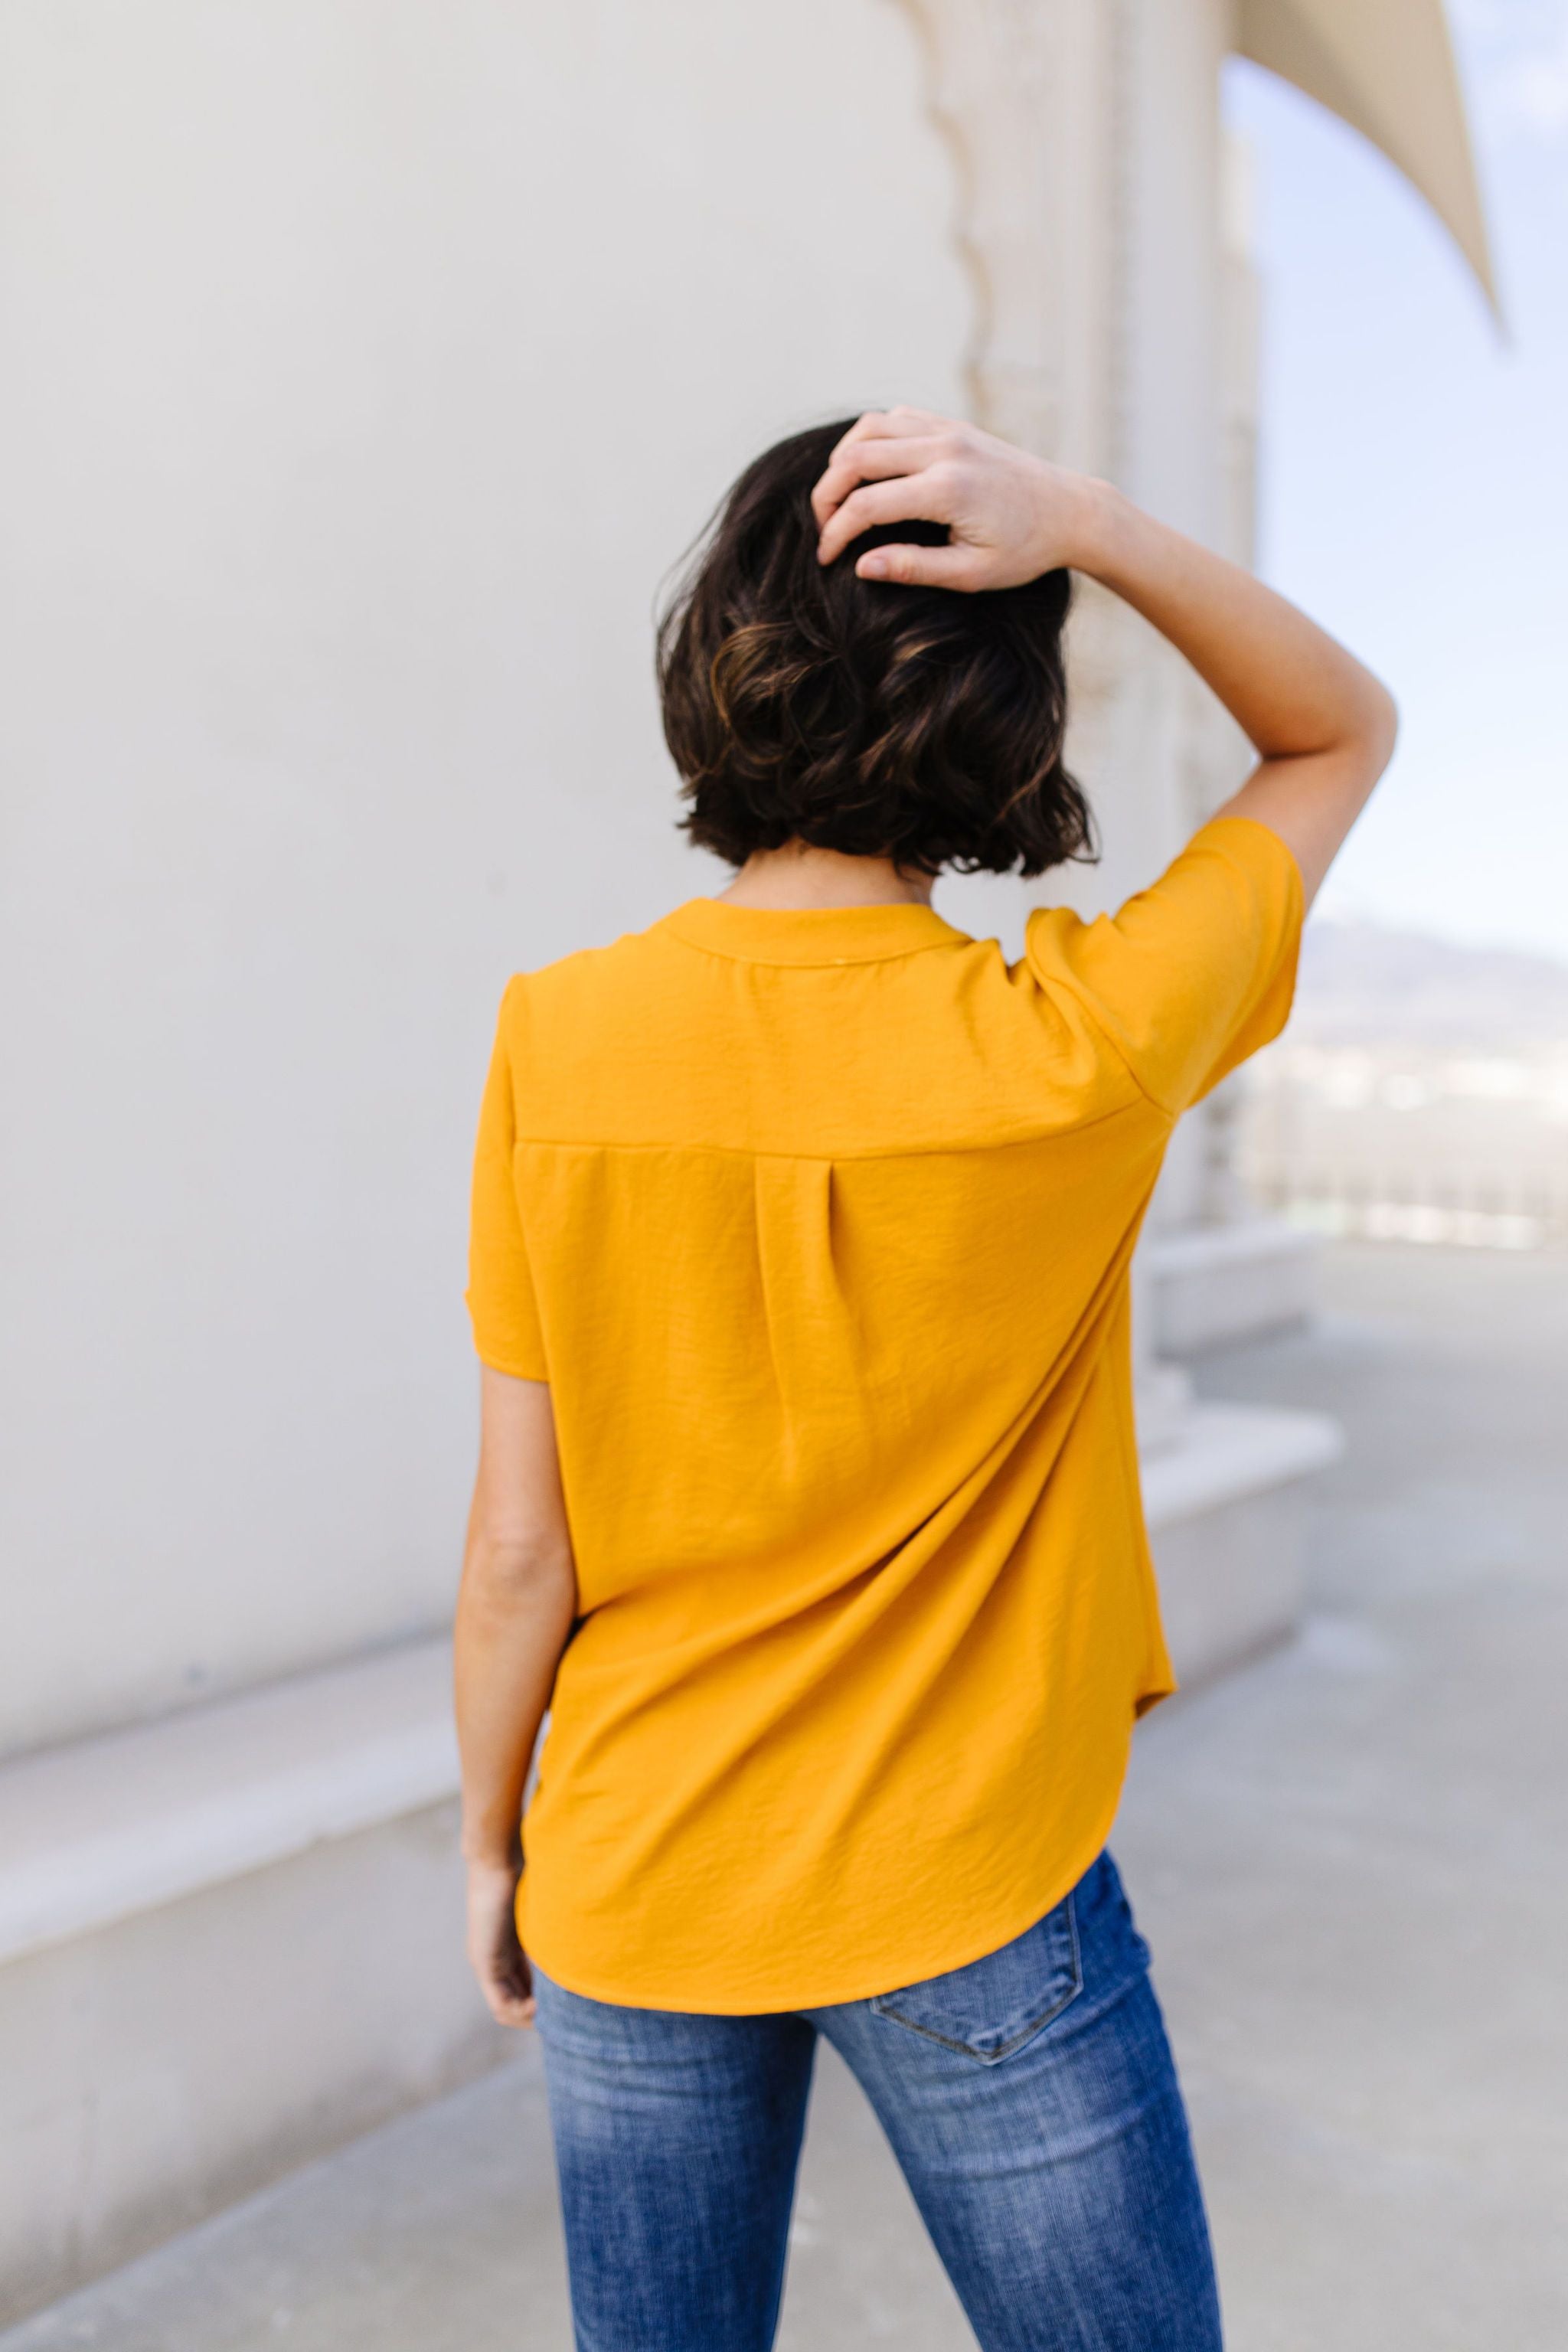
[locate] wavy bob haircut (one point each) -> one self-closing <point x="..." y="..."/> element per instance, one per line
<point x="922" y="725"/>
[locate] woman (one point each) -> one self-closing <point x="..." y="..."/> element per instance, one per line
<point x="807" y="1496"/>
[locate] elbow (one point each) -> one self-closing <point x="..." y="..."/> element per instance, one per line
<point x="1384" y="724"/>
<point x="1361" y="744"/>
<point x="521" y="1575"/>
<point x="1375" y="730"/>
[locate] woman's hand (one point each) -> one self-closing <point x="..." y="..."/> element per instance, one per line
<point x="1009" y="516"/>
<point x="1322" y="725"/>
<point x="497" y="1957"/>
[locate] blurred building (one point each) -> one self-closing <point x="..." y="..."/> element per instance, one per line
<point x="367" y="365"/>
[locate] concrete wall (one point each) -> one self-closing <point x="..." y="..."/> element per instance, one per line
<point x="180" y="2058"/>
<point x="365" y="363"/>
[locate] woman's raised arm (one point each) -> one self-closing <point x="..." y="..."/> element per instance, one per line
<point x="1322" y="725"/>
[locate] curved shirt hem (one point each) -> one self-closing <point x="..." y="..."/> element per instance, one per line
<point x="798" y="1995"/>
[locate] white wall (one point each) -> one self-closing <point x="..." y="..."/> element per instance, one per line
<point x="366" y="363"/>
<point x="1173" y="319"/>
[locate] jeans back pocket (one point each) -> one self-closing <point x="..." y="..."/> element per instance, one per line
<point x="992" y="2007"/>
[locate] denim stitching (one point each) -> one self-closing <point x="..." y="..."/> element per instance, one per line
<point x="1026" y="2033"/>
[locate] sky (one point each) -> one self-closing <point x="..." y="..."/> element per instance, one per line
<point x="1414" y="475"/>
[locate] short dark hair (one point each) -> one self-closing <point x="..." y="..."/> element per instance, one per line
<point x="920" y="724"/>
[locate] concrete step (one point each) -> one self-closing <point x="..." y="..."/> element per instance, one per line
<point x="1213" y="1286"/>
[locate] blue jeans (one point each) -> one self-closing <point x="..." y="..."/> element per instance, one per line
<point x="1030" y="2099"/>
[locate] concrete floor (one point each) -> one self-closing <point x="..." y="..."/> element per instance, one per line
<point x="1350" y="1863"/>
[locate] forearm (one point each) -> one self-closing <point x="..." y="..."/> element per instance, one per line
<point x="514" y="1613"/>
<point x="1292" y="688"/>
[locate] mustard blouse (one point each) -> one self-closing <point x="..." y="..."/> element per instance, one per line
<point x="818" y="1225"/>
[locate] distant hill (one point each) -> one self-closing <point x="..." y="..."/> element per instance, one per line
<point x="1362" y="985"/>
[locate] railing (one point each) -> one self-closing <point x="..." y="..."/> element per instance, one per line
<point x="1470" y="1208"/>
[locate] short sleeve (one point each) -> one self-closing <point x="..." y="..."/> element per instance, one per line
<point x="501" y="1296"/>
<point x="1192" y="974"/>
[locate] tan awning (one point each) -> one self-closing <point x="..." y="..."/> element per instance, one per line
<point x="1385" y="66"/>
